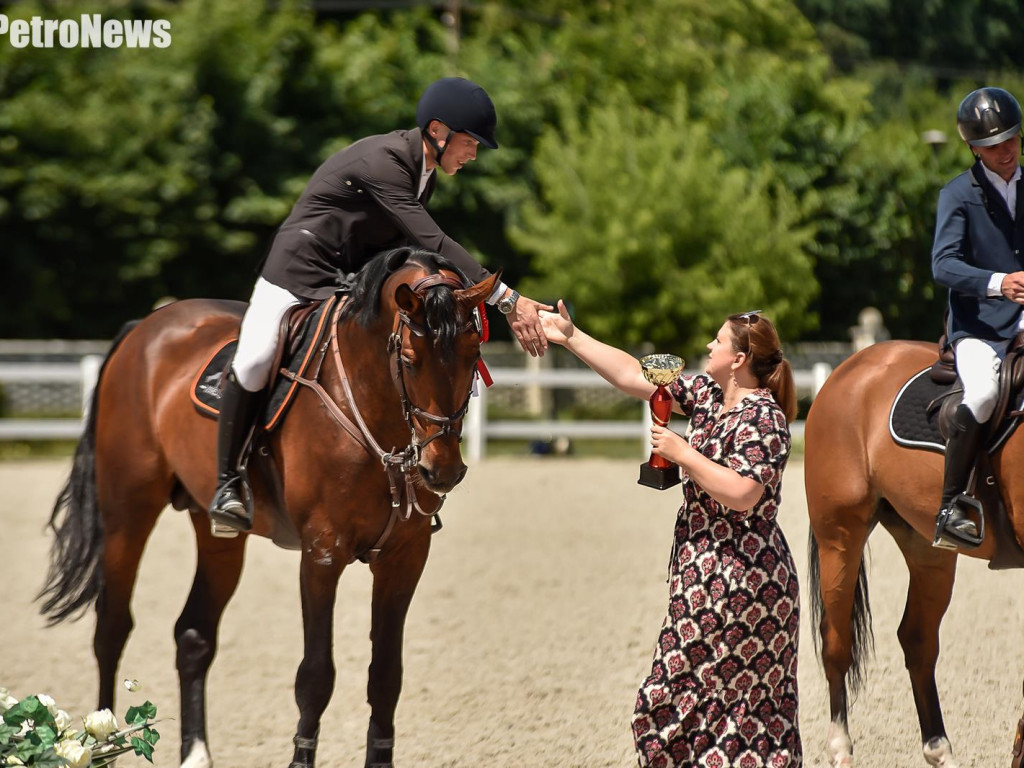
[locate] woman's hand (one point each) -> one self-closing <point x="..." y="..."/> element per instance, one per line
<point x="669" y="445"/>
<point x="558" y="328"/>
<point x="724" y="485"/>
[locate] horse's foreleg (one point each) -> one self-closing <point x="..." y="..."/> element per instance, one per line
<point x="319" y="572"/>
<point x="932" y="572"/>
<point x="395" y="577"/>
<point x="218" y="570"/>
<point x="123" y="543"/>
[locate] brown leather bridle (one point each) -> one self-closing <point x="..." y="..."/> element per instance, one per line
<point x="409" y="409"/>
<point x="398" y="465"/>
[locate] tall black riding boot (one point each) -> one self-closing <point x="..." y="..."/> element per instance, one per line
<point x="961" y="450"/>
<point x="237" y="409"/>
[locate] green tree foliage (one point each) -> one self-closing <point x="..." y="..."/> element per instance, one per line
<point x="129" y="174"/>
<point x="652" y="234"/>
<point x="952" y="36"/>
<point x="702" y="179"/>
<point x="662" y="162"/>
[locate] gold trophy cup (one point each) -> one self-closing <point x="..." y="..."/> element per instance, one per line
<point x="660" y="370"/>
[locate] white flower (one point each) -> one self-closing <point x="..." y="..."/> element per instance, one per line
<point x="48" y="702"/>
<point x="63" y="721"/>
<point x="6" y="700"/>
<point x="132" y="685"/>
<point x="13" y="760"/>
<point x="76" y="755"/>
<point x="101" y="724"/>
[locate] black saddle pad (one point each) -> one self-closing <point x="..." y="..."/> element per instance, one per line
<point x="910" y="422"/>
<point x="206" y="389"/>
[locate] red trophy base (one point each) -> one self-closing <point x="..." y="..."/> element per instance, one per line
<point x="659" y="477"/>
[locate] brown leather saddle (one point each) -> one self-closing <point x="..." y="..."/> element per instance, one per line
<point x="304" y="330"/>
<point x="1011" y="382"/>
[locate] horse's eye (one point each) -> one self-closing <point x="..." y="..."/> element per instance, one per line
<point x="407" y="362"/>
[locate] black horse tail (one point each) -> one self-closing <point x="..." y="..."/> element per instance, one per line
<point x="862" y="636"/>
<point x="75" y="577"/>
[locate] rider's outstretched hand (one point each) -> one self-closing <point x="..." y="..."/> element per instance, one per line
<point x="526" y="326"/>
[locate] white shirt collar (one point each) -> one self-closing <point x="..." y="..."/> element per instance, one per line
<point x="997" y="180"/>
<point x="424" y="176"/>
<point x="1006" y="189"/>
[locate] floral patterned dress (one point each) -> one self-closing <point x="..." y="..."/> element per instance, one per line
<point x="722" y="689"/>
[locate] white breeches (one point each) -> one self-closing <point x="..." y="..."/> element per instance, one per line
<point x="977" y="363"/>
<point x="261" y="327"/>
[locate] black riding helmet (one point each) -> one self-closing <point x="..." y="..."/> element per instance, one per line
<point x="463" y="106"/>
<point x="988" y="116"/>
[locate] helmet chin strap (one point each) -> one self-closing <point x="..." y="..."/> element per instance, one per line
<point x="438" y="149"/>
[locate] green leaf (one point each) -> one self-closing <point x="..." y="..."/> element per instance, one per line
<point x="49" y="759"/>
<point x="151" y="735"/>
<point x="47" y="735"/>
<point x="143" y="748"/>
<point x="141" y="713"/>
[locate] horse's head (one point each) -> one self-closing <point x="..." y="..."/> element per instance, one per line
<point x="433" y="349"/>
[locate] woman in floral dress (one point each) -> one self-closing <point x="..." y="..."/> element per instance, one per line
<point x="722" y="689"/>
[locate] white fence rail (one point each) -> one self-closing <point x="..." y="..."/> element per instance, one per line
<point x="478" y="428"/>
<point x="84" y="373"/>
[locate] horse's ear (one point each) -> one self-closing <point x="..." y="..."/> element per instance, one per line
<point x="407" y="299"/>
<point x="468" y="298"/>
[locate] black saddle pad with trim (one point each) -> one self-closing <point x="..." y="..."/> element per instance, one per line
<point x="206" y="389"/>
<point x="910" y="422"/>
<point x="913" y="425"/>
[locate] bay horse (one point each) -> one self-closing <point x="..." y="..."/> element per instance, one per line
<point x="857" y="476"/>
<point x="403" y="354"/>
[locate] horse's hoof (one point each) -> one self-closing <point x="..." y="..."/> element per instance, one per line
<point x="839" y="746"/>
<point x="939" y="753"/>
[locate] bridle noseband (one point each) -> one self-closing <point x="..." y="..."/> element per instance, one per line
<point x="409" y="409"/>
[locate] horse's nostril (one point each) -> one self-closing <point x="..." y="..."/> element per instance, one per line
<point x="428" y="474"/>
<point x="442" y="481"/>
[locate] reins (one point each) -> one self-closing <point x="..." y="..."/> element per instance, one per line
<point x="398" y="465"/>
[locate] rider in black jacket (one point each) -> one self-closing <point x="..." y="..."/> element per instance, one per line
<point x="369" y="197"/>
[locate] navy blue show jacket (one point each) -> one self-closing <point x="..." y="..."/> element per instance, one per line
<point x="975" y="236"/>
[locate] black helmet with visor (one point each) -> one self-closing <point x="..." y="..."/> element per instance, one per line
<point x="988" y="116"/>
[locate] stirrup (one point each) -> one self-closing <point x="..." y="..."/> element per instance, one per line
<point x="226" y="521"/>
<point x="948" y="539"/>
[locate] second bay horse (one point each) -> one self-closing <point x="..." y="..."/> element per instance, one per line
<point x="857" y="476"/>
<point x="401" y="362"/>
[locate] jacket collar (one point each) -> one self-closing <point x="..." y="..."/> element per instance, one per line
<point x="994" y="202"/>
